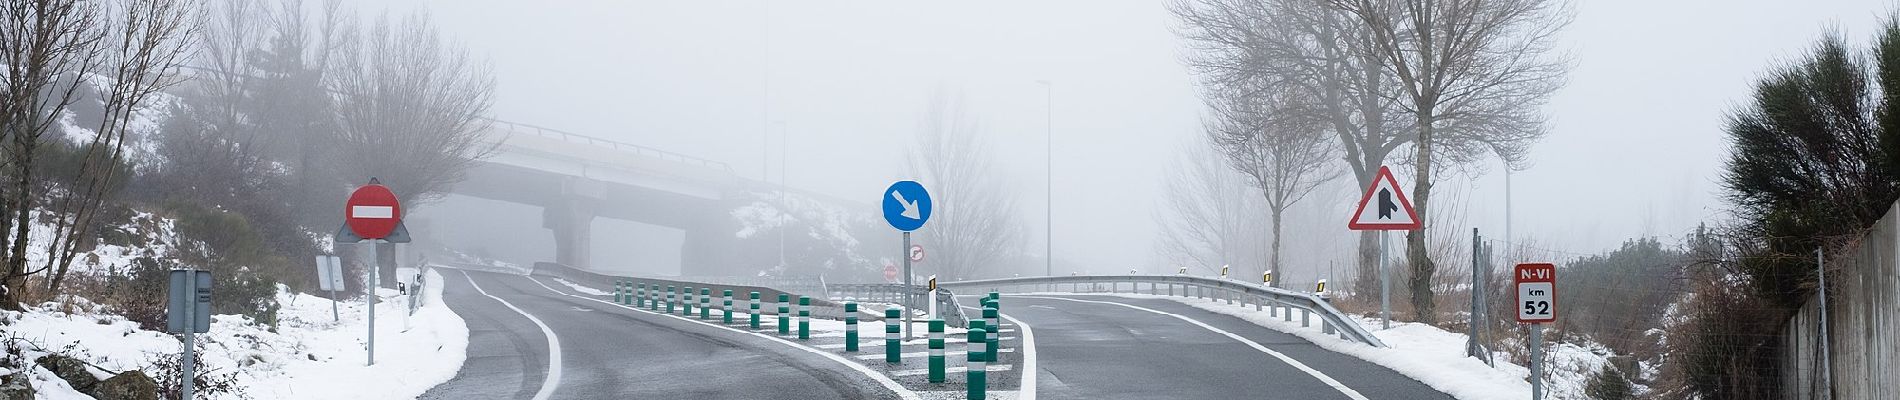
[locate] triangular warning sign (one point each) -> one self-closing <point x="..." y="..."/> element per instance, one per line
<point x="1386" y="201"/>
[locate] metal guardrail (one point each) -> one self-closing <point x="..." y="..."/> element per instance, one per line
<point x="947" y="305"/>
<point x="570" y="137"/>
<point x="1348" y="328"/>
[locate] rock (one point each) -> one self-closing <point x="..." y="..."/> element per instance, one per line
<point x="71" y="370"/>
<point x="129" y="385"/>
<point x="18" y="386"/>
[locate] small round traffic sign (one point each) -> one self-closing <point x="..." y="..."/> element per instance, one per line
<point x="906" y="205"/>
<point x="890" y="273"/>
<point x="372" y="212"/>
<point x="916" y="253"/>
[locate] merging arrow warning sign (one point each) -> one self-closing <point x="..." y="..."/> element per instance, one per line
<point x="1386" y="201"/>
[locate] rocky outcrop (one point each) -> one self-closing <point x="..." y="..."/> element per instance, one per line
<point x="129" y="385"/>
<point x="69" y="369"/>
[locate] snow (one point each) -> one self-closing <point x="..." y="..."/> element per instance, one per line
<point x="1432" y="355"/>
<point x="583" y="289"/>
<point x="311" y="356"/>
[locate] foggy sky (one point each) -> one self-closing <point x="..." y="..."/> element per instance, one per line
<point x="1635" y="146"/>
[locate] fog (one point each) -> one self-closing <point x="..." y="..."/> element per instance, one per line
<point x="833" y="91"/>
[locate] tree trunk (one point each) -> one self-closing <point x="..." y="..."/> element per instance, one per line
<point x="1415" y="249"/>
<point x="1366" y="277"/>
<point x="1273" y="258"/>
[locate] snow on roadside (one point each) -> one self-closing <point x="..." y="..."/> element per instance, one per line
<point x="311" y="356"/>
<point x="1430" y="355"/>
<point x="583" y="289"/>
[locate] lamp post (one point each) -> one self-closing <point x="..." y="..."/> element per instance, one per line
<point x="1049" y="192"/>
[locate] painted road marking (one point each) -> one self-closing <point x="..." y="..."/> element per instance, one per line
<point x="880" y="342"/>
<point x="554" y="343"/>
<point x="953" y="370"/>
<point x="1341" y="387"/>
<point x="947" y="353"/>
<point x="886" y="381"/>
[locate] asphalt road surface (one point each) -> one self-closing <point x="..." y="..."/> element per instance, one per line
<point x="605" y="351"/>
<point x="1091" y="349"/>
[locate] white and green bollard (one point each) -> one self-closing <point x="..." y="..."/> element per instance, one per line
<point x="686" y="303"/>
<point x="726" y="297"/>
<point x="996" y="340"/>
<point x="705" y="303"/>
<point x="640" y="295"/>
<point x="977" y="373"/>
<point x="936" y="351"/>
<point x="850" y="326"/>
<point x="755" y="310"/>
<point x="804" y="317"/>
<point x="617" y="295"/>
<point x="893" y="349"/>
<point x="784" y="314"/>
<point x="982" y="349"/>
<point x="669" y="298"/>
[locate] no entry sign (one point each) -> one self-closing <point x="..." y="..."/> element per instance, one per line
<point x="372" y="211"/>
<point x="1536" y="292"/>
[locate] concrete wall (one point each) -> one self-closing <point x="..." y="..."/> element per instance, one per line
<point x="1863" y="320"/>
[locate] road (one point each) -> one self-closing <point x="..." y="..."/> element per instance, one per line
<point x="1096" y="347"/>
<point x="608" y="351"/>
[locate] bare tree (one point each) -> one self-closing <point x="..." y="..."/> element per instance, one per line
<point x="48" y="48"/>
<point x="974" y="224"/>
<point x="148" y="42"/>
<point x="411" y="109"/>
<point x="1466" y="68"/>
<point x="1281" y="149"/>
<point x="1212" y="215"/>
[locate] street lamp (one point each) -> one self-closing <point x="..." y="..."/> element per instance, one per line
<point x="1049" y="176"/>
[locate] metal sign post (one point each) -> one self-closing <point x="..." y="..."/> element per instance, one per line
<point x="188" y="311"/>
<point x="1387" y="199"/>
<point x="908" y="298"/>
<point x="373" y="216"/>
<point x="1536" y="304"/>
<point x="906" y="206"/>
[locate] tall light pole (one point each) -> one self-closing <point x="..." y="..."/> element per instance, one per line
<point x="1049" y="176"/>
<point x="784" y="133"/>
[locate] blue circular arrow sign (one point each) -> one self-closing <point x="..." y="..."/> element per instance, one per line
<point x="906" y="205"/>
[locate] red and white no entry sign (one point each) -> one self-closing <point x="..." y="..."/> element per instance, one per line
<point x="917" y="253"/>
<point x="890" y="273"/>
<point x="372" y="211"/>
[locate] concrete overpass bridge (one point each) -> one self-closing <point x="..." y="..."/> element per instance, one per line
<point x="576" y="178"/>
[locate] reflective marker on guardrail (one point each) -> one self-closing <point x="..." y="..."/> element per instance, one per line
<point x="893" y="349"/>
<point x="804" y="318"/>
<point x="850" y="326"/>
<point x="755" y="310"/>
<point x="784" y="314"/>
<point x="936" y="351"/>
<point x="977" y="371"/>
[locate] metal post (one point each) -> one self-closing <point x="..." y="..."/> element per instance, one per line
<point x="1385" y="287"/>
<point x="190" y="362"/>
<point x="907" y="297"/>
<point x="1537" y="361"/>
<point x="375" y="263"/>
<point x="1472" y="347"/>
<point x="1827" y="364"/>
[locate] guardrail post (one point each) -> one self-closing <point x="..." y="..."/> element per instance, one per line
<point x="705" y="303"/>
<point x="850" y="326"/>
<point x="784" y="314"/>
<point x="670" y="290"/>
<point x="1170" y="290"/>
<point x="1305" y="316"/>
<point x="936" y="350"/>
<point x="755" y="310"/>
<point x="977" y="371"/>
<point x="1257" y="300"/>
<point x="804" y="317"/>
<point x="727" y="297"/>
<point x="893" y="349"/>
<point x="686" y="303"/>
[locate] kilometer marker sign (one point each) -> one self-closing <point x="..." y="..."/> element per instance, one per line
<point x="1536" y="292"/>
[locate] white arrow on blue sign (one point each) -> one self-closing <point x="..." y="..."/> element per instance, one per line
<point x="906" y="205"/>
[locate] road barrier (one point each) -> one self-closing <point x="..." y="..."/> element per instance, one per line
<point x="640" y="296"/>
<point x="977" y="371"/>
<point x="936" y="351"/>
<point x="686" y="306"/>
<point x="893" y="348"/>
<point x="989" y="314"/>
<point x="850" y="327"/>
<point x="804" y="318"/>
<point x="617" y="292"/>
<point x="784" y="314"/>
<point x="981" y="349"/>
<point x="727" y="298"/>
<point x="705" y="303"/>
<point x="669" y="299"/>
<point x="755" y="310"/>
<point x="948" y="306"/>
<point x="1307" y="302"/>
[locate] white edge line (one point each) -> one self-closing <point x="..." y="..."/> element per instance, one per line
<point x="1028" y="382"/>
<point x="554" y="344"/>
<point x="1328" y="380"/>
<point x="886" y="381"/>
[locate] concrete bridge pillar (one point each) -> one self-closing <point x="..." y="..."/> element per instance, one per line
<point x="573" y="226"/>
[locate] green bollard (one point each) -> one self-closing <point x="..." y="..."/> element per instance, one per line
<point x="893" y="350"/>
<point x="804" y="318"/>
<point x="850" y="327"/>
<point x="617" y="292"/>
<point x="728" y="299"/>
<point x="640" y="295"/>
<point x="686" y="303"/>
<point x="755" y="310"/>
<point x="784" y="314"/>
<point x="936" y="351"/>
<point x="705" y="304"/>
<point x="980" y="348"/>
<point x="977" y="374"/>
<point x="996" y="339"/>
<point x="669" y="299"/>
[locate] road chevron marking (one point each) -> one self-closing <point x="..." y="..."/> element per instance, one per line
<point x="1328" y="380"/>
<point x="886" y="381"/>
<point x="553" y="378"/>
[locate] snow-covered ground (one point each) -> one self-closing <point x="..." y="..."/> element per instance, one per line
<point x="311" y="356"/>
<point x="1431" y="355"/>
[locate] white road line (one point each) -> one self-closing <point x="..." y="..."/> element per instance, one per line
<point x="1028" y="382"/>
<point x="948" y="354"/>
<point x="554" y="344"/>
<point x="1341" y="387"/>
<point x="953" y="371"/>
<point x="880" y="342"/>
<point x="886" y="381"/>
